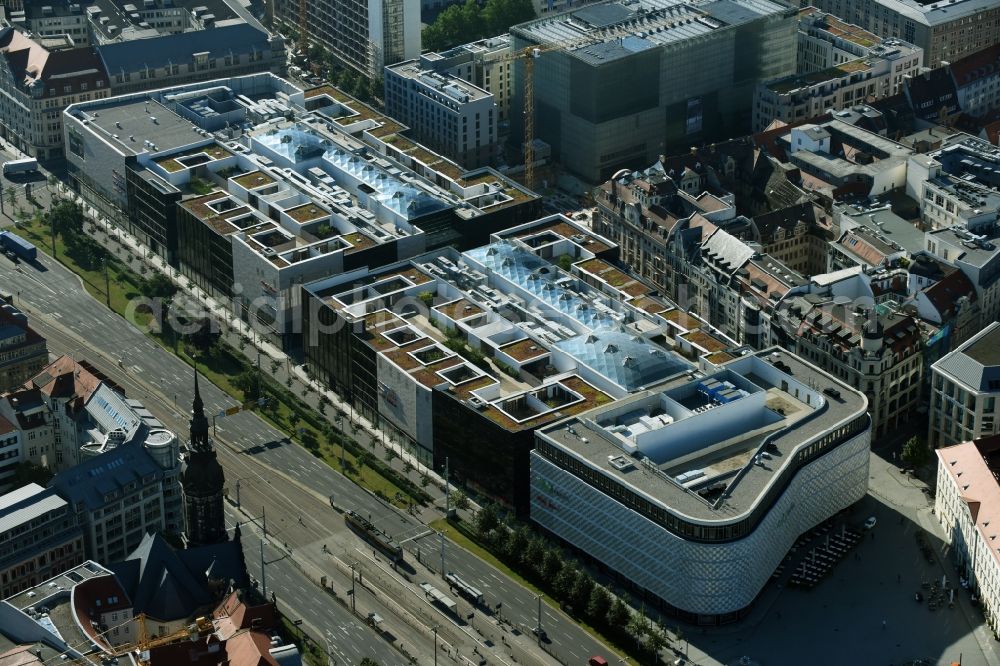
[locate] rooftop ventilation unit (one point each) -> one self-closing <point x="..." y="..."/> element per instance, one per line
<point x="621" y="463"/>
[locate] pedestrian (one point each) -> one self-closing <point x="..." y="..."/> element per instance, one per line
<point x="873" y="535"/>
<point x="899" y="578"/>
<point x="883" y="624"/>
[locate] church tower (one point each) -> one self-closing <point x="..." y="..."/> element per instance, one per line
<point x="202" y="482"/>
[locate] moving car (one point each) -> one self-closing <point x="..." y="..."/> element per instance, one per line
<point x="870" y="523"/>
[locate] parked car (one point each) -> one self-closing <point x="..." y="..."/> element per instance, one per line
<point x="597" y="660"/>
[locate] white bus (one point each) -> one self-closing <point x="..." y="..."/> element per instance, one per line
<point x="20" y="166"/>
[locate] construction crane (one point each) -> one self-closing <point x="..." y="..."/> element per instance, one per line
<point x="303" y="25"/>
<point x="529" y="54"/>
<point x="144" y="642"/>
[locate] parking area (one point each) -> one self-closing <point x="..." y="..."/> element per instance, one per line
<point x="863" y="608"/>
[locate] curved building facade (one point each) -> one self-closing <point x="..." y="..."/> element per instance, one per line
<point x="694" y="492"/>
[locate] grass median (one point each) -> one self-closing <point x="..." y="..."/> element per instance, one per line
<point x="121" y="285"/>
<point x="463" y="537"/>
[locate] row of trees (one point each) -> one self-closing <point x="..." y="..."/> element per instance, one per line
<point x="468" y="22"/>
<point x="580" y="595"/>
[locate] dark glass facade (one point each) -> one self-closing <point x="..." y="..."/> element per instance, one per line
<point x="204" y="256"/>
<point x="482" y="454"/>
<point x="152" y="210"/>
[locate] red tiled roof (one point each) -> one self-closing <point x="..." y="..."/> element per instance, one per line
<point x="6" y="426"/>
<point x="977" y="66"/>
<point x="233" y="615"/>
<point x="944" y="293"/>
<point x="65" y="378"/>
<point x="95" y="596"/>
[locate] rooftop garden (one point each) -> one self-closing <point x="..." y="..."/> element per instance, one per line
<point x="649" y="305"/>
<point x="523" y="350"/>
<point x="822" y="76"/>
<point x="253" y="180"/>
<point x="192" y="158"/>
<point x="326" y="90"/>
<point x="460" y="309"/>
<point x="412" y="274"/>
<point x="358" y="242"/>
<point x="705" y="341"/>
<point x="307" y="213"/>
<point x="682" y="319"/>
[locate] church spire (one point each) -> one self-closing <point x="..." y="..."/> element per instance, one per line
<point x="199" y="422"/>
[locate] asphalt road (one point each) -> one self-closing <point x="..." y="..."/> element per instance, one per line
<point x="54" y="299"/>
<point x="351" y="639"/>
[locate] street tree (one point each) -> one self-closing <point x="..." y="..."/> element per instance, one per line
<point x="159" y="286"/>
<point x="564" y="582"/>
<point x="66" y="219"/>
<point x="618" y="614"/>
<point x="459" y="500"/>
<point x="599" y="603"/>
<point x="487" y="518"/>
<point x="534" y="552"/>
<point x="656" y="639"/>
<point x="552" y="564"/>
<point x="247" y="382"/>
<point x="11" y="195"/>
<point x="517" y="544"/>
<point x="637" y="626"/>
<point x="582" y="587"/>
<point x="915" y="452"/>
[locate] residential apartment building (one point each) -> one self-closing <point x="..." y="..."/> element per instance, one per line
<point x="966" y="498"/>
<point x="121" y="494"/>
<point x="109" y="53"/>
<point x="291" y="199"/>
<point x="965" y="387"/>
<point x="799" y="97"/>
<point x="977" y="79"/>
<point x="649" y="77"/>
<point x="23" y="352"/>
<point x="447" y="114"/>
<point x="957" y="185"/>
<point x="10" y="453"/>
<point x="366" y="35"/>
<point x="825" y="41"/>
<point x="26" y="409"/>
<point x="36" y="84"/>
<point x="97" y="22"/>
<point x="879" y="351"/>
<point x="945" y="31"/>
<point x="645" y="486"/>
<point x="486" y="64"/>
<point x="976" y="255"/>
<point x="176" y="59"/>
<point x="39" y="538"/>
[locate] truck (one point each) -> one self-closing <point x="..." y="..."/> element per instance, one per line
<point x="20" y="166"/>
<point x="11" y="242"/>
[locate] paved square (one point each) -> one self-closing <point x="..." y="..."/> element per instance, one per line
<point x="840" y="620"/>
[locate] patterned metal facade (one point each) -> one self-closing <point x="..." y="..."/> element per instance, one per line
<point x="707" y="579"/>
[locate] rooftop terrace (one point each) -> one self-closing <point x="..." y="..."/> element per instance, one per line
<point x="711" y="448"/>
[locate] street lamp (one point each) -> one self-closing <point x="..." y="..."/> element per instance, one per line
<point x="353" y="597"/>
<point x="340" y="426"/>
<point x="538" y="625"/>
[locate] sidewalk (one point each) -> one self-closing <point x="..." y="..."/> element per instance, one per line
<point x="239" y="329"/>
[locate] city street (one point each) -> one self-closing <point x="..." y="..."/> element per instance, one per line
<point x="268" y="467"/>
